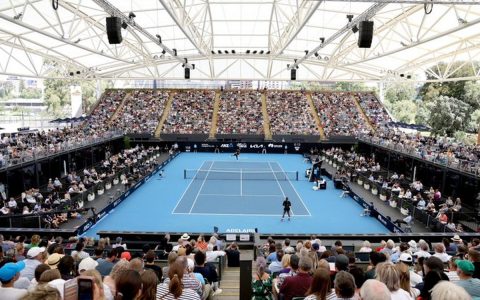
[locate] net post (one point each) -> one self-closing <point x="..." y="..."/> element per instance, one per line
<point x="184" y="174"/>
<point x="296" y="175"/>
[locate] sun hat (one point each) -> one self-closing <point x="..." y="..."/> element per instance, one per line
<point x="35" y="251"/>
<point x="185" y="237"/>
<point x="53" y="260"/>
<point x="456" y="238"/>
<point x="9" y="270"/>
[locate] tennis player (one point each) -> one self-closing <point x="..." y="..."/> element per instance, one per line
<point x="237" y="153"/>
<point x="286" y="208"/>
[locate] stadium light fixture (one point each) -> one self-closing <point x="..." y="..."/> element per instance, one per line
<point x="248" y="51"/>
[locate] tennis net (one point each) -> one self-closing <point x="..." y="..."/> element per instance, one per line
<point x="200" y="174"/>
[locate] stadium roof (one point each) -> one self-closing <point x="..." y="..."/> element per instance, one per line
<point x="409" y="38"/>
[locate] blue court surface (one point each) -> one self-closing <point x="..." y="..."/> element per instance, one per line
<point x="203" y="190"/>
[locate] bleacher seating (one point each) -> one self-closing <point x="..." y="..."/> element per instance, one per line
<point x="240" y="113"/>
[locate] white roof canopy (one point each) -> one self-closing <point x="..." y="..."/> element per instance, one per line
<point x="406" y="39"/>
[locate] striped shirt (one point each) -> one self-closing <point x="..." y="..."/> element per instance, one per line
<point x="164" y="294"/>
<point x="189" y="281"/>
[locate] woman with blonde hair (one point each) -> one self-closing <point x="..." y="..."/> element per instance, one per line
<point x="174" y="288"/>
<point x="404" y="273"/>
<point x="119" y="267"/>
<point x="285" y="264"/>
<point x="387" y="273"/>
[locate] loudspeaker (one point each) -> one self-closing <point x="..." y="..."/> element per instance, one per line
<point x="187" y="73"/>
<point x="293" y="74"/>
<point x="365" y="34"/>
<point x="114" y="30"/>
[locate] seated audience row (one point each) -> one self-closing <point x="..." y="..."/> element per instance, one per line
<point x="240" y="112"/>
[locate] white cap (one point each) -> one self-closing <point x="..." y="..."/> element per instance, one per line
<point x="87" y="263"/>
<point x="405" y="257"/>
<point x="34" y="251"/>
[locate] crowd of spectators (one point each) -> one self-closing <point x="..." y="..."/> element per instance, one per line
<point x="141" y="111"/>
<point x="240" y="112"/>
<point x="59" y="196"/>
<point x="338" y="114"/>
<point x="105" y="109"/>
<point x="442" y="150"/>
<point x="373" y="109"/>
<point x="191" y="112"/>
<point x="396" y="271"/>
<point x="397" y="188"/>
<point x="28" y="145"/>
<point x="47" y="268"/>
<point x="289" y="113"/>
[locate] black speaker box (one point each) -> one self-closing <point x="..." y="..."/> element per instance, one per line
<point x="365" y="34"/>
<point x="187" y="73"/>
<point x="114" y="30"/>
<point x="293" y="74"/>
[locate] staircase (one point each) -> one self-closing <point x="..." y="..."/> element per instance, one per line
<point x="166" y="111"/>
<point x="115" y="115"/>
<point x="314" y="112"/>
<point x="216" y="107"/>
<point x="230" y="284"/>
<point x="266" y="119"/>
<point x="360" y="109"/>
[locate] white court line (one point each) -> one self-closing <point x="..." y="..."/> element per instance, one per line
<point x="245" y="215"/>
<point x="244" y="195"/>
<point x="279" y="185"/>
<point x="181" y="198"/>
<point x="288" y="179"/>
<point x="201" y="187"/>
<point x="241" y="182"/>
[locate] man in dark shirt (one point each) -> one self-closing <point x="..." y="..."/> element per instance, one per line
<point x="297" y="286"/>
<point x="375" y="259"/>
<point x="286" y="208"/>
<point x="233" y="255"/>
<point x="105" y="266"/>
<point x="150" y="264"/>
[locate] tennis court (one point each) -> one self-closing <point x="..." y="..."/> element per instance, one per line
<point x="201" y="190"/>
<point x="240" y="188"/>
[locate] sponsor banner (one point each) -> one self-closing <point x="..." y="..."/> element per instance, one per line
<point x="240" y="230"/>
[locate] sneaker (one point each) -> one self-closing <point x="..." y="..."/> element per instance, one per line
<point x="218" y="291"/>
<point x="281" y="220"/>
<point x="289" y="219"/>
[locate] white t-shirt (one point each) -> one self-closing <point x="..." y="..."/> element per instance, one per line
<point x="12" y="293"/>
<point x="400" y="294"/>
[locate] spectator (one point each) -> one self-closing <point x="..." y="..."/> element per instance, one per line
<point x="174" y="288"/>
<point x="117" y="269"/>
<point x="105" y="265"/>
<point x="35" y="257"/>
<point x="321" y="286"/>
<point x="233" y="255"/>
<point x="405" y="280"/>
<point x="207" y="270"/>
<point x="172" y="257"/>
<point x="149" y="285"/>
<point x="9" y="273"/>
<point x="474" y="257"/>
<point x="445" y="290"/>
<point x="374" y="290"/>
<point x="344" y="285"/>
<point x="375" y="259"/>
<point x="128" y="285"/>
<point x="262" y="282"/>
<point x="440" y="253"/>
<point x="366" y="247"/>
<point x="388" y="274"/>
<point x="465" y="270"/>
<point x="297" y="286"/>
<point x="240" y="112"/>
<point x="150" y="264"/>
<point x="276" y="266"/>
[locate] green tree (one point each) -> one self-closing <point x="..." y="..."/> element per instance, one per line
<point x="403" y="110"/>
<point x="474" y="121"/>
<point x="472" y="94"/>
<point x="455" y="89"/>
<point x="400" y="91"/>
<point x="449" y="115"/>
<point x="423" y="113"/>
<point x="346" y="86"/>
